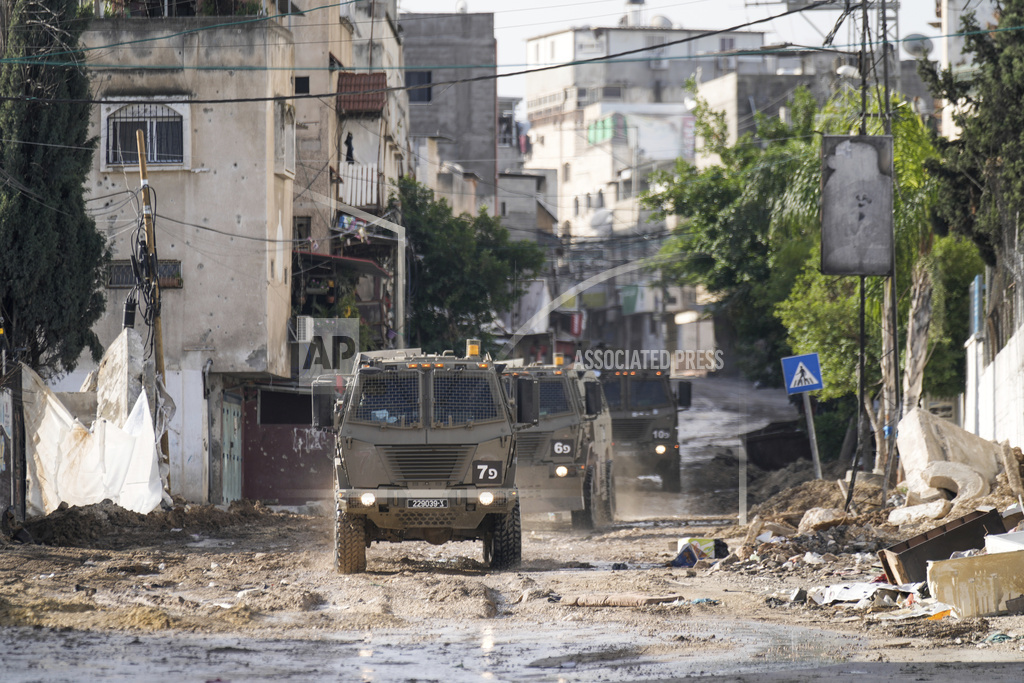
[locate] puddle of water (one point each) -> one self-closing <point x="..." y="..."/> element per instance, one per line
<point x="500" y="649"/>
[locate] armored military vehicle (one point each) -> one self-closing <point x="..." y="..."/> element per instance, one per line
<point x="565" y="460"/>
<point x="425" y="450"/>
<point x="644" y="423"/>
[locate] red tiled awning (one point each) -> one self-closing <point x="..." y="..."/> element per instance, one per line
<point x="362" y="93"/>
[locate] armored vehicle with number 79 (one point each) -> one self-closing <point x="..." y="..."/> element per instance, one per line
<point x="425" y="450"/>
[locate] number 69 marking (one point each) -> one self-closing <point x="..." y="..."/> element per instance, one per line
<point x="487" y="472"/>
<point x="561" y="447"/>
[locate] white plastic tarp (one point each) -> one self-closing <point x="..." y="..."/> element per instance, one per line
<point x="69" y="463"/>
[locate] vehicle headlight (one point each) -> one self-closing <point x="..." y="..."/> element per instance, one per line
<point x="486" y="498"/>
<point x="367" y="499"/>
<point x="659" y="449"/>
<point x="561" y="471"/>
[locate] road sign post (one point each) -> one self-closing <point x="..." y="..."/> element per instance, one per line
<point x="802" y="374"/>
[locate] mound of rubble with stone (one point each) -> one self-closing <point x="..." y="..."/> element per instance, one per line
<point x="951" y="547"/>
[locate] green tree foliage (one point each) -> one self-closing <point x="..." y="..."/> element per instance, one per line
<point x="744" y="232"/>
<point x="52" y="259"/>
<point x="981" y="173"/>
<point x="463" y="269"/>
<point x="750" y="233"/>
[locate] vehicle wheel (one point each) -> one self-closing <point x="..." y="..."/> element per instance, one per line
<point x="350" y="543"/>
<point x="584" y="519"/>
<point x="671" y="478"/>
<point x="507" y="544"/>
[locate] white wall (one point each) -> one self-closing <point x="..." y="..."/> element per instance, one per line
<point x="994" y="398"/>
<point x="187" y="436"/>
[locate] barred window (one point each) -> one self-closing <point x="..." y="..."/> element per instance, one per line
<point x="163" y="130"/>
<point x="613" y="392"/>
<point x="553" y="399"/>
<point x="388" y="399"/>
<point x="121" y="276"/>
<point x="461" y="398"/>
<point x="648" y="393"/>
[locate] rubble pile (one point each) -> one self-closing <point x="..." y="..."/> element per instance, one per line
<point x="110" y="526"/>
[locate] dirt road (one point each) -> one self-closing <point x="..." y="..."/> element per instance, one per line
<point x="248" y="594"/>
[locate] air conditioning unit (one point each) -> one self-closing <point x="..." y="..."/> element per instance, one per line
<point x="304" y="329"/>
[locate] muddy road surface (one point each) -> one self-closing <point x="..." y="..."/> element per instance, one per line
<point x="247" y="593"/>
<point x="250" y="595"/>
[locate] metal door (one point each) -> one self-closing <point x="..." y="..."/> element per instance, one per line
<point x="231" y="459"/>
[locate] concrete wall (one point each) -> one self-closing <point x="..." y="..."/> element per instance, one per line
<point x="322" y="33"/>
<point x="462" y="116"/>
<point x="994" y="396"/>
<point x="235" y="300"/>
<point x="225" y="213"/>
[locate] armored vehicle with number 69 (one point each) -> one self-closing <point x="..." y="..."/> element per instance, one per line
<point x="425" y="449"/>
<point x="565" y="460"/>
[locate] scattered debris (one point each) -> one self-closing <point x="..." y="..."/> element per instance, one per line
<point x="978" y="586"/>
<point x="907" y="562"/>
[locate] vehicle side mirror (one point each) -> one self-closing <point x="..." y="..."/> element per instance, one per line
<point x="684" y="393"/>
<point x="594" y="395"/>
<point x="527" y="400"/>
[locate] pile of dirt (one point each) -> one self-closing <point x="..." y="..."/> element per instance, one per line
<point x="110" y="526"/>
<point x="816" y="493"/>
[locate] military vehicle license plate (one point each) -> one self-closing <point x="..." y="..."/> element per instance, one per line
<point x="427" y="503"/>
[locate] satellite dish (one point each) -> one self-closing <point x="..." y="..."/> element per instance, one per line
<point x="461" y="7"/>
<point x="917" y="45"/>
<point x="661" y="21"/>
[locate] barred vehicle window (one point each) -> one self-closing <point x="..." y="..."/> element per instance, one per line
<point x="464" y="397"/>
<point x="553" y="399"/>
<point x="648" y="393"/>
<point x="390" y="399"/>
<point x="613" y="392"/>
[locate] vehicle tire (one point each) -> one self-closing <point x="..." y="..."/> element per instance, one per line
<point x="584" y="519"/>
<point x="350" y="543"/>
<point x="671" y="477"/>
<point x="507" y="544"/>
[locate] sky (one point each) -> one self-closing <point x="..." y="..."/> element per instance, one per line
<point x="515" y="21"/>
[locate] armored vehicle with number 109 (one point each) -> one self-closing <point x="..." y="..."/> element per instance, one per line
<point x="644" y="423"/>
<point x="425" y="451"/>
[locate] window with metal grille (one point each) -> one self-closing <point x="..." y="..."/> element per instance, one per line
<point x="553" y="399"/>
<point x="648" y="393"/>
<point x="613" y="392"/>
<point x="418" y="78"/>
<point x="388" y="399"/>
<point x="121" y="276"/>
<point x="464" y="397"/>
<point x="162" y="127"/>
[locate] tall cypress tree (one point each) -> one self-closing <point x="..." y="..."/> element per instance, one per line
<point x="52" y="259"/>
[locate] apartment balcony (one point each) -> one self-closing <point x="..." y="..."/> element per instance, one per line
<point x="361" y="186"/>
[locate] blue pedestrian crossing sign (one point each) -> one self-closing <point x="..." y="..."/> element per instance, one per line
<point x="802" y="373"/>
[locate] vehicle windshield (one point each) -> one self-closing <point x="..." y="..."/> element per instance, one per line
<point x="613" y="392"/>
<point x="553" y="398"/>
<point x="648" y="393"/>
<point x="464" y="397"/>
<point x="389" y="399"/>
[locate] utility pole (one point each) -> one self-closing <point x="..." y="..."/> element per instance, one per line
<point x="158" y="330"/>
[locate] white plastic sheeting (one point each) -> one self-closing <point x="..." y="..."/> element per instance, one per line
<point x="68" y="462"/>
